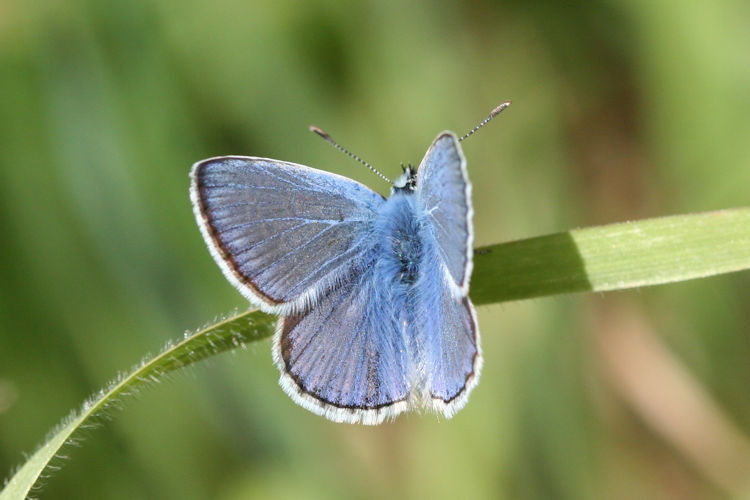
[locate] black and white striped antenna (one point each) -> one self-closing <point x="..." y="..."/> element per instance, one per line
<point x="484" y="122"/>
<point x="322" y="133"/>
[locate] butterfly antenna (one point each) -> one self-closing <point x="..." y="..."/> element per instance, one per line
<point x="322" y="133"/>
<point x="484" y="122"/>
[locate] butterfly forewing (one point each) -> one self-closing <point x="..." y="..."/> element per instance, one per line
<point x="282" y="233"/>
<point x="445" y="193"/>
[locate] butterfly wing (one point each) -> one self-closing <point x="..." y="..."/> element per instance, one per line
<point x="444" y="190"/>
<point x="282" y="233"/>
<point x="346" y="358"/>
<point x="448" y="327"/>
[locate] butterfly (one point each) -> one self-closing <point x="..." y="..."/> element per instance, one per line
<point x="372" y="293"/>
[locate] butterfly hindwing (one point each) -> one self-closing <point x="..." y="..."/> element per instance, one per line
<point x="456" y="356"/>
<point x="346" y="358"/>
<point x="282" y="233"/>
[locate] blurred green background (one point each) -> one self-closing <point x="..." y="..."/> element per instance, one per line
<point x="622" y="110"/>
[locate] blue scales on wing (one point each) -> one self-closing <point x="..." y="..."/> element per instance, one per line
<point x="445" y="321"/>
<point x="282" y="233"/>
<point x="448" y="334"/>
<point x="445" y="193"/>
<point x="346" y="359"/>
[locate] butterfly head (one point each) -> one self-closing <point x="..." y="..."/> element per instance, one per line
<point x="406" y="182"/>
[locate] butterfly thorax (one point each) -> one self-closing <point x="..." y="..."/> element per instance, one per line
<point x="398" y="231"/>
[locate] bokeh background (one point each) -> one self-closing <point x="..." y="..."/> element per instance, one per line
<point x="622" y="110"/>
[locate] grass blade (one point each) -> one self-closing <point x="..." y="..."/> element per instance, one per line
<point x="614" y="257"/>
<point x="225" y="335"/>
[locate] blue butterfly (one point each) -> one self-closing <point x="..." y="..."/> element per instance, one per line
<point x="372" y="293"/>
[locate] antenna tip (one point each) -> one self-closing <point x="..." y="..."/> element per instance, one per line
<point x="322" y="133"/>
<point x="498" y="109"/>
